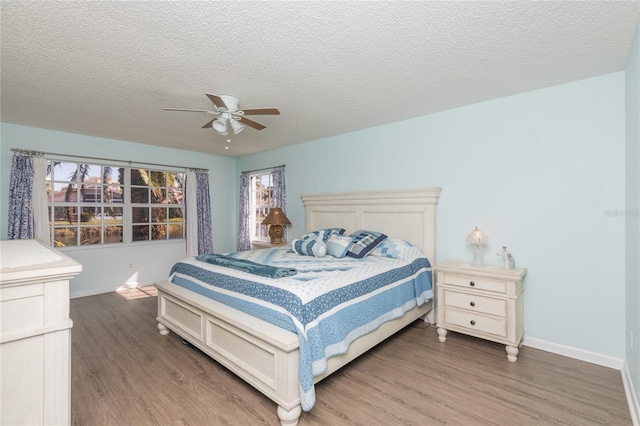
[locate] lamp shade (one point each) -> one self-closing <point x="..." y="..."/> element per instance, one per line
<point x="236" y="126"/>
<point x="276" y="217"/>
<point x="220" y="125"/>
<point x="477" y="237"/>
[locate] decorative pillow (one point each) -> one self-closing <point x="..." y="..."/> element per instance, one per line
<point x="337" y="245"/>
<point x="319" y="249"/>
<point x="395" y="249"/>
<point x="363" y="242"/>
<point x="325" y="233"/>
<point x="309" y="247"/>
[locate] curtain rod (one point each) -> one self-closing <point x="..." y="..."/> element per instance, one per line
<point x="264" y="168"/>
<point x="40" y="153"/>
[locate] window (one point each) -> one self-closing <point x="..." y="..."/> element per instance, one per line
<point x="261" y="201"/>
<point x="92" y="204"/>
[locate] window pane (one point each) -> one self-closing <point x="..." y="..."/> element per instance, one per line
<point x="159" y="232"/>
<point x="140" y="232"/>
<point x="158" y="195"/>
<point x="64" y="171"/>
<point x="91" y="193"/>
<point x="158" y="178"/>
<point x="91" y="215"/>
<point x="89" y="235"/>
<point x="176" y="214"/>
<point x="64" y="192"/>
<point x="112" y="194"/>
<point x="140" y="214"/>
<point x="66" y="215"/>
<point x="139" y="177"/>
<point x="158" y="214"/>
<point x="64" y="237"/>
<point x="175" y="196"/>
<point x="112" y="234"/>
<point x="139" y="195"/>
<point x="176" y="231"/>
<point x="112" y="215"/>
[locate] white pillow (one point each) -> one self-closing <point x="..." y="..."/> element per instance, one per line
<point x="337" y="245"/>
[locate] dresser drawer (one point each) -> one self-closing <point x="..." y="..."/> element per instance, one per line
<point x="475" y="303"/>
<point x="475" y="283"/>
<point x="476" y="322"/>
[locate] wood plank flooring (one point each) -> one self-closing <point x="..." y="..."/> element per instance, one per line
<point x="125" y="373"/>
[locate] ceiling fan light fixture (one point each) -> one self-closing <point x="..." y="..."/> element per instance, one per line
<point x="236" y="126"/>
<point x="220" y="125"/>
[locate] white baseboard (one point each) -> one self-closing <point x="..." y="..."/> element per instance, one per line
<point x="94" y="292"/>
<point x="632" y="397"/>
<point x="592" y="357"/>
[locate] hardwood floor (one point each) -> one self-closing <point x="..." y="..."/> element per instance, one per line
<point x="125" y="373"/>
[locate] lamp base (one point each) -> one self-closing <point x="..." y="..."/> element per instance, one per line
<point x="276" y="232"/>
<point x="478" y="258"/>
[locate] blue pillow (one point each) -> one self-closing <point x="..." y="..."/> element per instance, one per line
<point x="309" y="247"/>
<point x="325" y="233"/>
<point x="363" y="242"/>
<point x="337" y="245"/>
<point x="396" y="249"/>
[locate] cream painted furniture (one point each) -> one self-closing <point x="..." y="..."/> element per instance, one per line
<point x="484" y="302"/>
<point x="35" y="334"/>
<point x="265" y="244"/>
<point x="266" y="356"/>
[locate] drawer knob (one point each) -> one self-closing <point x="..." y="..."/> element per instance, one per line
<point x="473" y="303"/>
<point x="472" y="322"/>
<point x="472" y="284"/>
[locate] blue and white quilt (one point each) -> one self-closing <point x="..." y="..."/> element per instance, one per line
<point x="329" y="303"/>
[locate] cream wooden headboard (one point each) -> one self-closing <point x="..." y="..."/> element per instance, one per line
<point x="407" y="214"/>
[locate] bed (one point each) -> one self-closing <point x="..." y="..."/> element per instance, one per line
<point x="268" y="356"/>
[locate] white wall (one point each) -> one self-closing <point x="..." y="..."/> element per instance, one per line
<point x="105" y="268"/>
<point x="633" y="207"/>
<point x="537" y="171"/>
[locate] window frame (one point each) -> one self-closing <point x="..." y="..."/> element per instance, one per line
<point x="122" y="182"/>
<point x="263" y="230"/>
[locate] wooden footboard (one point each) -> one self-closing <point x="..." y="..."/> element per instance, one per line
<point x="264" y="355"/>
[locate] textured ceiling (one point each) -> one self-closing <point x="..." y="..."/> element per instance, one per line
<point x="109" y="68"/>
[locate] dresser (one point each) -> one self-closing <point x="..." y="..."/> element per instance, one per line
<point x="484" y="302"/>
<point x="35" y="334"/>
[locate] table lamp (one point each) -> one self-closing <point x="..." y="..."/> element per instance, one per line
<point x="477" y="238"/>
<point x="275" y="219"/>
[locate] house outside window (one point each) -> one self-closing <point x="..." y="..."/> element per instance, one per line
<point x="92" y="204"/>
<point x="261" y="202"/>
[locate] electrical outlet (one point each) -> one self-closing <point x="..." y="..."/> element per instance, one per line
<point x="131" y="266"/>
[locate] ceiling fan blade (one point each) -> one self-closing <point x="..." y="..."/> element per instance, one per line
<point x="217" y="101"/>
<point x="251" y="123"/>
<point x="209" y="124"/>
<point x="261" y="111"/>
<point x="190" y="110"/>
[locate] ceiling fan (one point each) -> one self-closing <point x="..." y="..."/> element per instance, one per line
<point x="227" y="109"/>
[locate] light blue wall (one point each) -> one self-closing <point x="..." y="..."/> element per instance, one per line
<point x="633" y="206"/>
<point x="105" y="268"/>
<point x="536" y="171"/>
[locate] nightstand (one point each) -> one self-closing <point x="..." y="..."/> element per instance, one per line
<point x="484" y="302"/>
<point x="265" y="244"/>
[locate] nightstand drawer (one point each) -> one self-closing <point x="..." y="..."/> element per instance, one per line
<point x="476" y="322"/>
<point x="475" y="303"/>
<point x="475" y="283"/>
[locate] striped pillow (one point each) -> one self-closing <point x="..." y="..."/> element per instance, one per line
<point x="363" y="242"/>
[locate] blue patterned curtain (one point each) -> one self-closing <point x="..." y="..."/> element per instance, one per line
<point x="280" y="192"/>
<point x="244" y="231"/>
<point x="205" y="234"/>
<point x="20" y="198"/>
